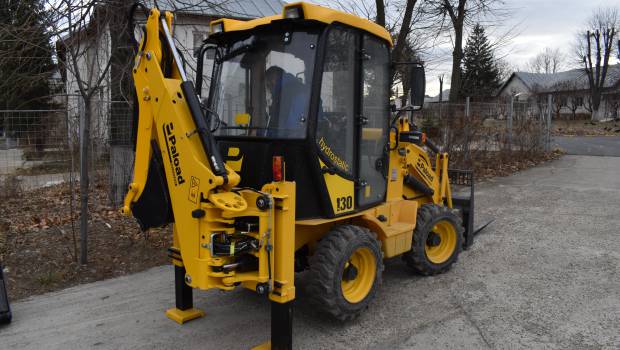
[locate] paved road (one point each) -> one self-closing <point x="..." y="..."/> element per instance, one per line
<point x="545" y="275"/>
<point x="589" y="145"/>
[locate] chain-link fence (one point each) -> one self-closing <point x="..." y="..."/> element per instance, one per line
<point x="41" y="148"/>
<point x="35" y="149"/>
<point x="467" y="130"/>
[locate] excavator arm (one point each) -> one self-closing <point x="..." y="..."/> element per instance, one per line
<point x="223" y="236"/>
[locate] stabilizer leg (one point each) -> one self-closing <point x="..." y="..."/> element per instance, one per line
<point x="184" y="310"/>
<point x="281" y="328"/>
<point x="5" y="308"/>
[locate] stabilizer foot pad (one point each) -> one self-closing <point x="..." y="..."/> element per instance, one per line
<point x="263" y="346"/>
<point x="182" y="316"/>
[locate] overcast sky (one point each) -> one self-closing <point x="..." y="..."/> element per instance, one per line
<point x="544" y="23"/>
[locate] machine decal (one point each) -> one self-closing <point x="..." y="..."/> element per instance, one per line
<point x="344" y="203"/>
<point x="194" y="187"/>
<point x="234" y="158"/>
<point x="326" y="150"/>
<point x="422" y="167"/>
<point x="341" y="192"/>
<point x="173" y="154"/>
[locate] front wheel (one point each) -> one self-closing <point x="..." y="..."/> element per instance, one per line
<point x="437" y="240"/>
<point x="345" y="271"/>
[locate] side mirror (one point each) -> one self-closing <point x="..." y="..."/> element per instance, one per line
<point x="417" y="86"/>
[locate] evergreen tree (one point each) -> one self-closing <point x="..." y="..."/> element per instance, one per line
<point x="25" y="55"/>
<point x="481" y="77"/>
<point x="26" y="66"/>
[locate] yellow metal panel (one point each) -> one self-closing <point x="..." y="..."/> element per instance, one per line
<point x="341" y="192"/>
<point x="182" y="316"/>
<point x="311" y="12"/>
<point x="283" y="241"/>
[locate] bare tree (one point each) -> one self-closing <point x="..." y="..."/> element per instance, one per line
<point x="401" y="18"/>
<point x="441" y="77"/>
<point x="613" y="100"/>
<point x="453" y="17"/>
<point x="505" y="69"/>
<point x="81" y="29"/>
<point x="548" y="61"/>
<point x="94" y="52"/>
<point x="594" y="49"/>
<point x="380" y="19"/>
<point x="574" y="102"/>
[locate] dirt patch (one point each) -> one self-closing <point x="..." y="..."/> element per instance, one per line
<point x="585" y="128"/>
<point x="39" y="233"/>
<point x="492" y="164"/>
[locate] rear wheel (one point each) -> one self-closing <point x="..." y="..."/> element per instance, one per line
<point x="437" y="240"/>
<point x="345" y="271"/>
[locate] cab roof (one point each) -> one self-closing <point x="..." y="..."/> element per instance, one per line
<point x="308" y="12"/>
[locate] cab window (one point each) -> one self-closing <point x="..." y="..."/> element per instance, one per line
<point x="375" y="64"/>
<point x="262" y="85"/>
<point x="335" y="124"/>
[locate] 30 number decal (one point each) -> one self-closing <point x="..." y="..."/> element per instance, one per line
<point x="344" y="203"/>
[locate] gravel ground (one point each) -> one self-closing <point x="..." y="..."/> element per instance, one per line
<point x="544" y="275"/>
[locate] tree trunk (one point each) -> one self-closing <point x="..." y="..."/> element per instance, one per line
<point x="84" y="180"/>
<point x="380" y="13"/>
<point x="457" y="58"/>
<point x="596" y="105"/>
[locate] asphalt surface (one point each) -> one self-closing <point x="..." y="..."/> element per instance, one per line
<point x="589" y="145"/>
<point x="544" y="275"/>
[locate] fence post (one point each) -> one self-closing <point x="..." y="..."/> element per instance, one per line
<point x="511" y="110"/>
<point x="467" y="122"/>
<point x="5" y="128"/>
<point x="548" y="123"/>
<point x="84" y="143"/>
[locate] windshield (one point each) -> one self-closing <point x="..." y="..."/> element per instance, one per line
<point x="262" y="85"/>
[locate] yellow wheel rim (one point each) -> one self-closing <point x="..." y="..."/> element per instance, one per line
<point x="441" y="252"/>
<point x="356" y="288"/>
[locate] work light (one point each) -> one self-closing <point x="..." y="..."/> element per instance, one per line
<point x="217" y="27"/>
<point x="293" y="12"/>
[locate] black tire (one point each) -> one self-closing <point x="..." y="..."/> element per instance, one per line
<point x="429" y="215"/>
<point x="327" y="270"/>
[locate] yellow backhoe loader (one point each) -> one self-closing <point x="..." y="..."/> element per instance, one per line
<point x="290" y="159"/>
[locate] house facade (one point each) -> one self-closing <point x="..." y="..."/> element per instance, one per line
<point x="111" y="114"/>
<point x="570" y="91"/>
<point x="191" y="27"/>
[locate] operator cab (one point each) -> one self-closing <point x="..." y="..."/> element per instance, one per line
<point x="316" y="94"/>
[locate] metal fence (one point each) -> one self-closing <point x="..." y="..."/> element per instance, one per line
<point x="467" y="129"/>
<point x="41" y="148"/>
<point x="34" y="149"/>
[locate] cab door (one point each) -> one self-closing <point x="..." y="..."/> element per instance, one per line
<point x="373" y="121"/>
<point x="336" y="130"/>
